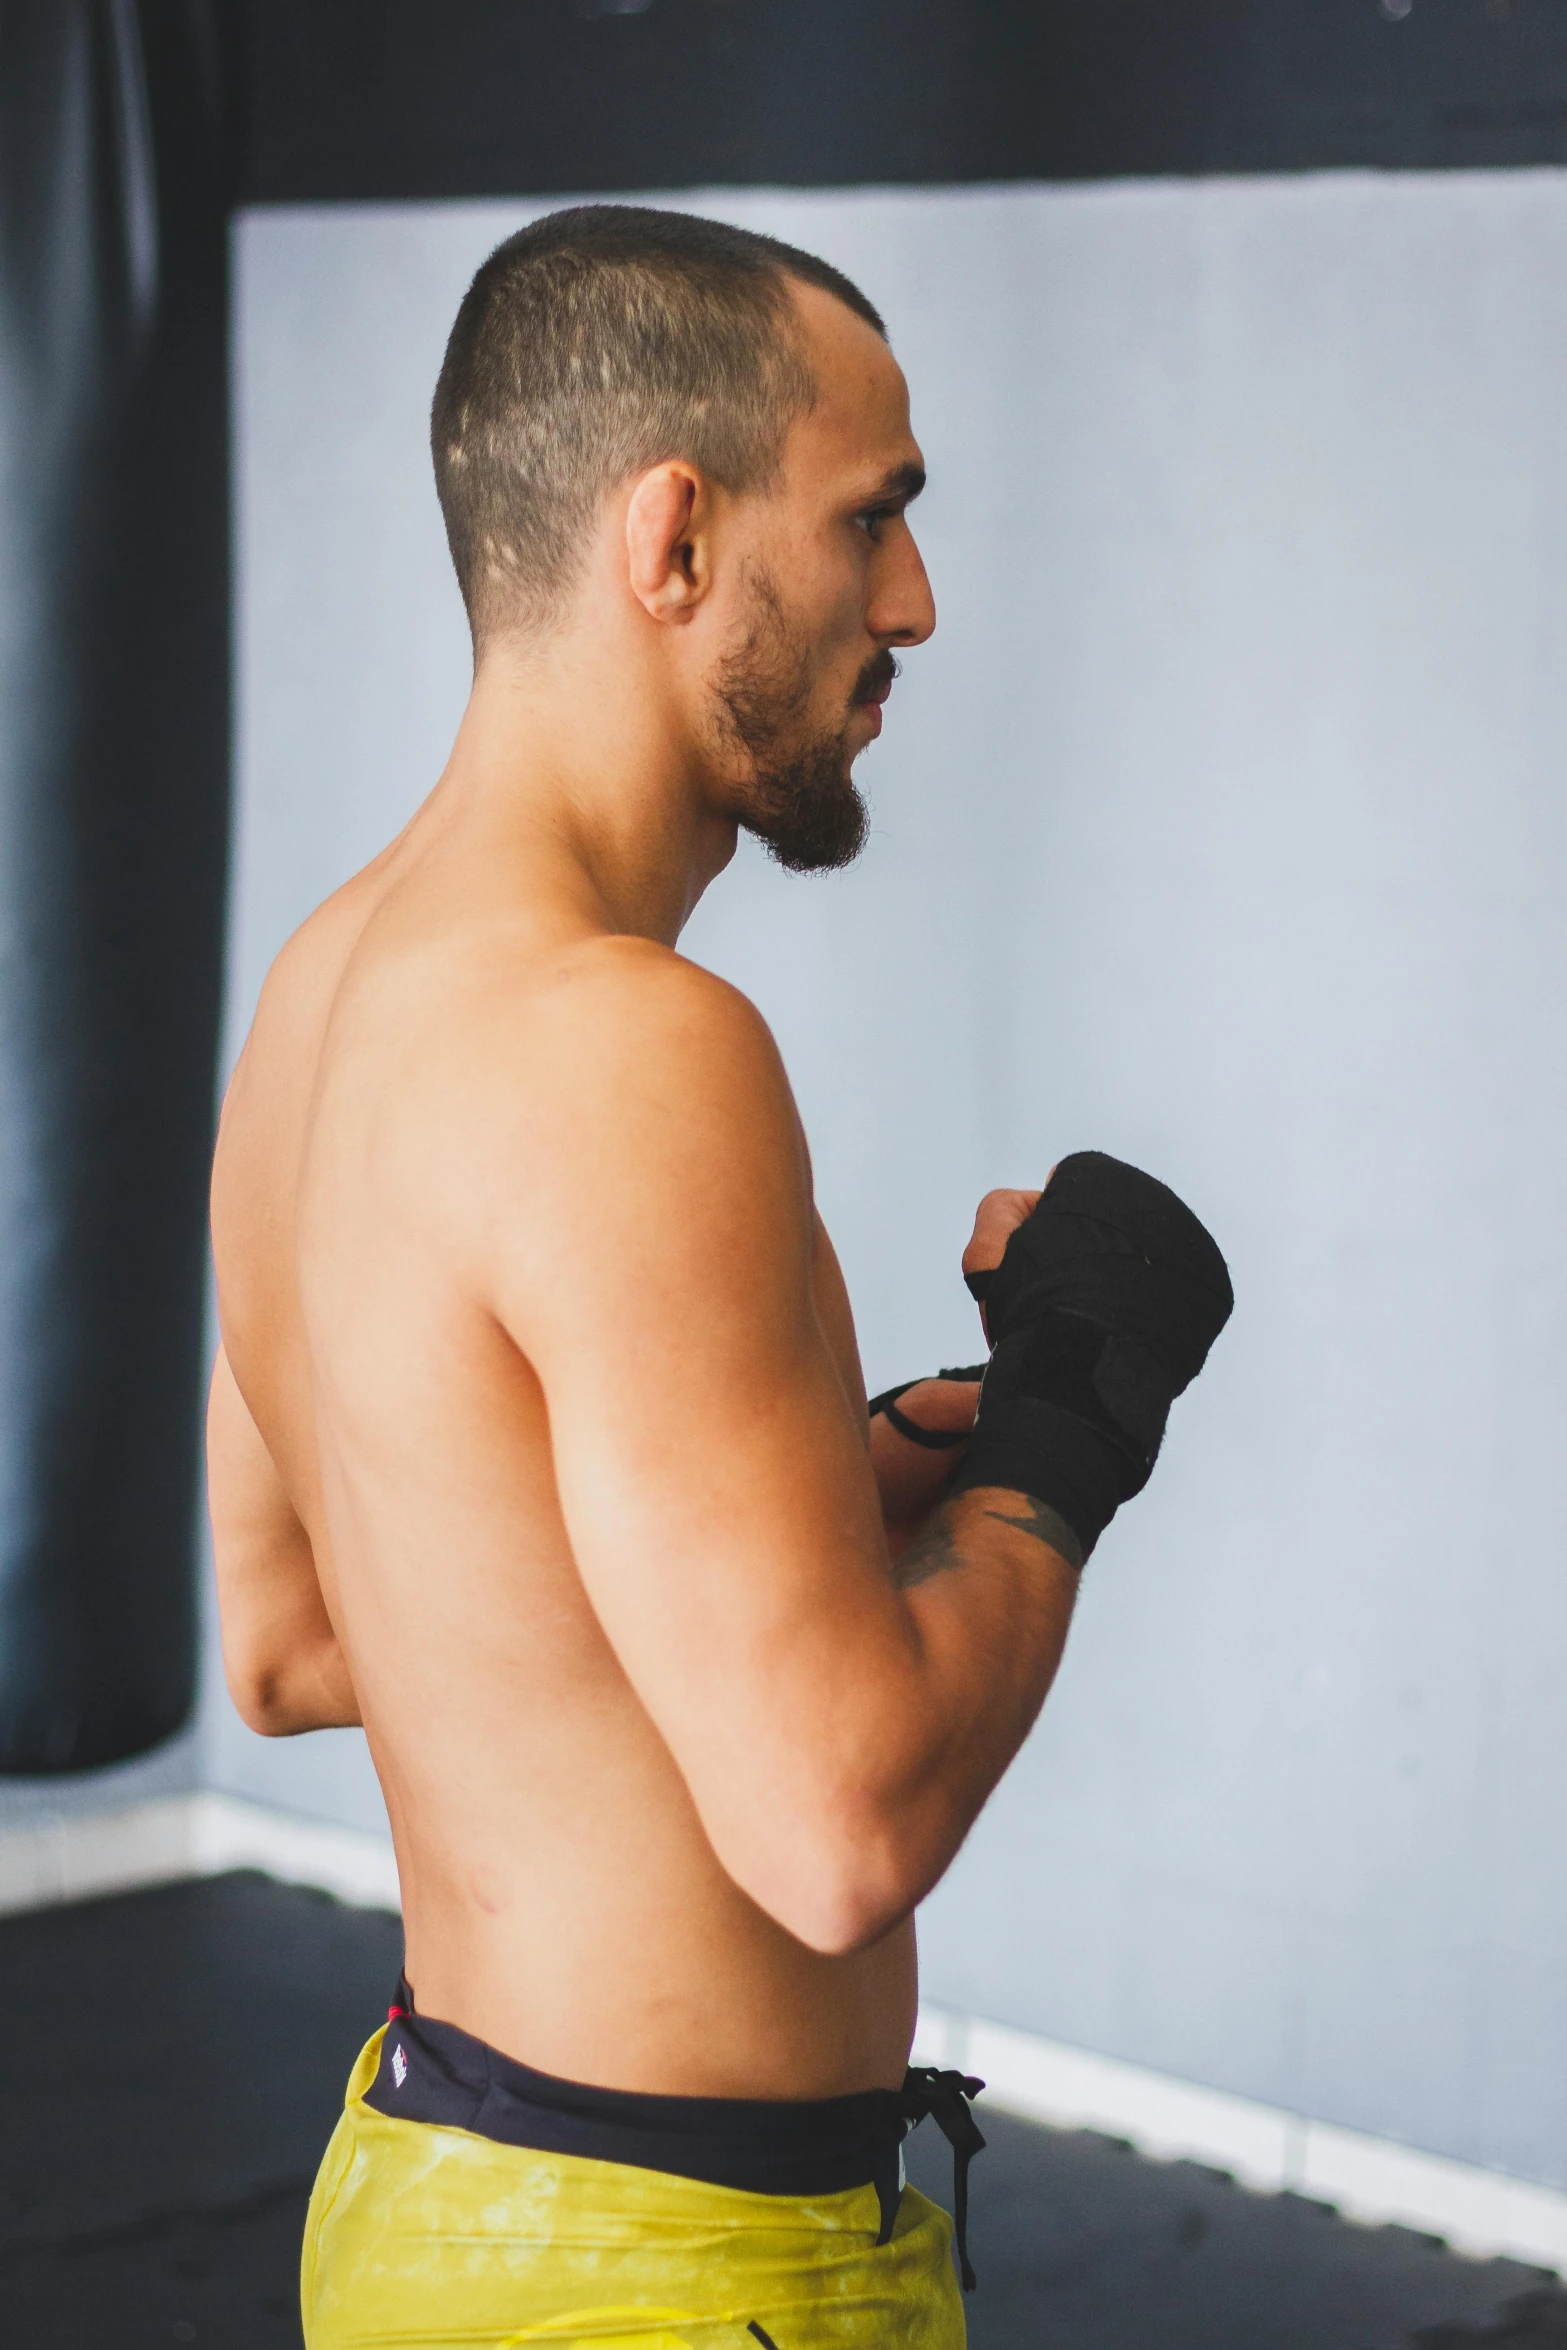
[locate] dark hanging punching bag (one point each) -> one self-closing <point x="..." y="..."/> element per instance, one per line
<point x="113" y="830"/>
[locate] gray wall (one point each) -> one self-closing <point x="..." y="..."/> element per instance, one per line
<point x="1221" y="827"/>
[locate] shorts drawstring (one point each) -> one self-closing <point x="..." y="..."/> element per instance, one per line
<point x="944" y="2096"/>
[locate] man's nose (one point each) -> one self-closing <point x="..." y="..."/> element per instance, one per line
<point x="903" y="610"/>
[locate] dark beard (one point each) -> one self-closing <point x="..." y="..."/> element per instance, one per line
<point x="800" y="798"/>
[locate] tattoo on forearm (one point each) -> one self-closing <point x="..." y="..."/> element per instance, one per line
<point x="935" y="1549"/>
<point x="930" y="1553"/>
<point x="1045" y="1525"/>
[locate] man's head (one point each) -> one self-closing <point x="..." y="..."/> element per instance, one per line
<point x="709" y="423"/>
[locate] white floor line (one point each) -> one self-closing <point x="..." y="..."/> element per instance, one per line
<point x="1485" y="2212"/>
<point x="73" y="1857"/>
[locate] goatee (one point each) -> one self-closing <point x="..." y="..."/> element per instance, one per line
<point x="800" y="799"/>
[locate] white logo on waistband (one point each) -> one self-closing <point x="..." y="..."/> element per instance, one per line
<point x="399" y="2065"/>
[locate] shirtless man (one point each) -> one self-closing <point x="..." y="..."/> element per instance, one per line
<point x="538" y="1437"/>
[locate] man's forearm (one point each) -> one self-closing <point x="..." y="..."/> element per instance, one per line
<point x="989" y="1600"/>
<point x="884" y="1721"/>
<point x="1102" y="1309"/>
<point x="938" y="1546"/>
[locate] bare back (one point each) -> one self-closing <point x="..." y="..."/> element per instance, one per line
<point x="403" y="1097"/>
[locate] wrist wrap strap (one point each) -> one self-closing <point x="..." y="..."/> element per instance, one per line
<point x="933" y="1439"/>
<point x="1100" y="1313"/>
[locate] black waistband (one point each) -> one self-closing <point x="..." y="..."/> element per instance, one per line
<point x="433" y="2072"/>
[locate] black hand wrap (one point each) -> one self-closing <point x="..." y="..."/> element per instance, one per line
<point x="1101" y="1312"/>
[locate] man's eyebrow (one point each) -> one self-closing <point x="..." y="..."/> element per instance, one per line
<point x="904" y="482"/>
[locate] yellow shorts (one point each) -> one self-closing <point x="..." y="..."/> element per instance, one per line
<point x="429" y="2238"/>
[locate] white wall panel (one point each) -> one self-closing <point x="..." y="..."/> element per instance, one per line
<point x="1221" y="826"/>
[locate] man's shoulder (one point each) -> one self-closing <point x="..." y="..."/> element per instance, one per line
<point x="291" y="1008"/>
<point x="296" y="996"/>
<point x="637" y="977"/>
<point x="624" y="1013"/>
<point x="628" y="1093"/>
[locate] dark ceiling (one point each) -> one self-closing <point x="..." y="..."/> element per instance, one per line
<point x="365" y="99"/>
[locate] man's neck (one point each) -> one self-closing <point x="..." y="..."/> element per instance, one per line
<point x="587" y="767"/>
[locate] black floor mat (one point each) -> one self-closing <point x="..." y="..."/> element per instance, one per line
<point x="1535" y="2321"/>
<point x="1081" y="2244"/>
<point x="225" y="2278"/>
<point x="175" y="2060"/>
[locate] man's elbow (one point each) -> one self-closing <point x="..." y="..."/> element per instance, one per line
<point x="259" y="1690"/>
<point x="841" y="1892"/>
<point x="281" y="1693"/>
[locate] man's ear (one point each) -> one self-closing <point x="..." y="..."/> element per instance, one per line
<point x="666" y="540"/>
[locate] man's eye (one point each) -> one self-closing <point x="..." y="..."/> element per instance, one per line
<point x="872" y="519"/>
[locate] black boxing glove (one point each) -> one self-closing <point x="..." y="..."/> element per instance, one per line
<point x="1100" y="1313"/>
<point x="933" y="1439"/>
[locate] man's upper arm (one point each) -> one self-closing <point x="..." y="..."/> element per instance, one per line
<point x="712" y="1471"/>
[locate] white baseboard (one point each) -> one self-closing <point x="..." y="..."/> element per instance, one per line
<point x="72" y="1857"/>
<point x="1484" y="2212"/>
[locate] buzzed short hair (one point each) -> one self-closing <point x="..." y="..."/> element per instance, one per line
<point x="594" y="344"/>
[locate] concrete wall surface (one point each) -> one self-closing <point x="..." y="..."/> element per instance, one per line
<point x="1221" y="827"/>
